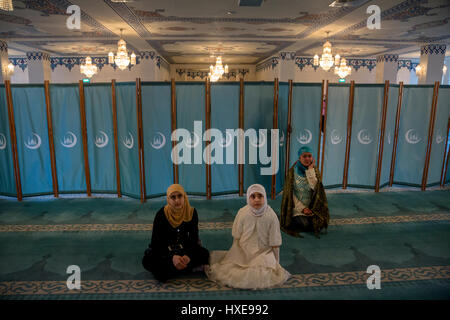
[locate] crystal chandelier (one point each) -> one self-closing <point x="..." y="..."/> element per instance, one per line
<point x="122" y="60"/>
<point x="9" y="70"/>
<point x="6" y="5"/>
<point x="88" y="68"/>
<point x="343" y="70"/>
<point x="326" y="60"/>
<point x="218" y="70"/>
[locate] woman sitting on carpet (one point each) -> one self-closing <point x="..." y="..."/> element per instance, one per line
<point x="304" y="205"/>
<point x="175" y="246"/>
<point x="253" y="260"/>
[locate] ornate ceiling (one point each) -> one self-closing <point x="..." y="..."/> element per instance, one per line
<point x="191" y="31"/>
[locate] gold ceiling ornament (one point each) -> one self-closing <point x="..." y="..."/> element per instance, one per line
<point x="122" y="60"/>
<point x="88" y="68"/>
<point x="326" y="61"/>
<point x="343" y="70"/>
<point x="6" y="5"/>
<point x="218" y="70"/>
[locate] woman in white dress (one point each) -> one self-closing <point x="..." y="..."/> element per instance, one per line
<point x="253" y="260"/>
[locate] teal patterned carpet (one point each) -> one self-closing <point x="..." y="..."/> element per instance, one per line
<point x="405" y="233"/>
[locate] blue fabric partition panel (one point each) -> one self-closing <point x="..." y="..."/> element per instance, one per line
<point x="156" y="117"/>
<point x="336" y="132"/>
<point x="33" y="150"/>
<point x="388" y="147"/>
<point x="439" y="136"/>
<point x="224" y="115"/>
<point x="190" y="108"/>
<point x="364" y="143"/>
<point x="127" y="136"/>
<point x="258" y="114"/>
<point x="7" y="182"/>
<point x="100" y="136"/>
<point x="413" y="134"/>
<point x="68" y="142"/>
<point x="283" y="96"/>
<point x="305" y="118"/>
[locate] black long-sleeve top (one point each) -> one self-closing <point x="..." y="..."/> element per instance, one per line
<point x="164" y="235"/>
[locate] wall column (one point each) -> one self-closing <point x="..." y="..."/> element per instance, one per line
<point x="39" y="69"/>
<point x="387" y="68"/>
<point x="431" y="61"/>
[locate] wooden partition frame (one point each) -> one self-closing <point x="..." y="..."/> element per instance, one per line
<point x="241" y="126"/>
<point x="289" y="130"/>
<point x="382" y="131"/>
<point x="12" y="132"/>
<point x="324" y="131"/>
<point x="116" y="143"/>
<point x="173" y="104"/>
<point x="275" y="126"/>
<point x="208" y="138"/>
<point x="444" y="164"/>
<point x="430" y="135"/>
<point x="320" y="125"/>
<point x="84" y="136"/>
<point x="397" y="125"/>
<point x="140" y="140"/>
<point x="349" y="133"/>
<point x="50" y="138"/>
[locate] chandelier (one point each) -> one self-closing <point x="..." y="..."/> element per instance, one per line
<point x="326" y="60"/>
<point x="343" y="70"/>
<point x="122" y="60"/>
<point x="6" y="5"/>
<point x="218" y="70"/>
<point x="9" y="70"/>
<point x="88" y="68"/>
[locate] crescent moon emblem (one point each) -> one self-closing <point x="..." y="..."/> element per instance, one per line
<point x="128" y="143"/>
<point x="2" y="141"/>
<point x="364" y="140"/>
<point x="439" y="139"/>
<point x="158" y="145"/>
<point x="282" y="138"/>
<point x="228" y="140"/>
<point x="261" y="143"/>
<point x="102" y="143"/>
<point x="302" y="139"/>
<point x="411" y="137"/>
<point x="74" y="140"/>
<point x="335" y="137"/>
<point x="189" y="144"/>
<point x="31" y="144"/>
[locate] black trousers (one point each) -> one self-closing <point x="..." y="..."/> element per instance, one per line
<point x="162" y="266"/>
<point x="302" y="223"/>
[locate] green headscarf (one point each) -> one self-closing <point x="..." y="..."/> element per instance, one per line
<point x="301" y="168"/>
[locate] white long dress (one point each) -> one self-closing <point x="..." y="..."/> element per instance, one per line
<point x="251" y="263"/>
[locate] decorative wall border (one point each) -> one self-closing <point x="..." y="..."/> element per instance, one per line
<point x="272" y="62"/>
<point x="387" y="58"/>
<point x="433" y="49"/>
<point x="192" y="74"/>
<point x="70" y="62"/>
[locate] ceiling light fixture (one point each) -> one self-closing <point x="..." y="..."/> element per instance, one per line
<point x="343" y="70"/>
<point x="122" y="60"/>
<point x="218" y="70"/>
<point x="6" y="5"/>
<point x="88" y="68"/>
<point x="326" y="60"/>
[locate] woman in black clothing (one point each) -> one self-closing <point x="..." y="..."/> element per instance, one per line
<point x="175" y="246"/>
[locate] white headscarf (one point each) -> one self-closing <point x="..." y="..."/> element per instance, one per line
<point x="257" y="188"/>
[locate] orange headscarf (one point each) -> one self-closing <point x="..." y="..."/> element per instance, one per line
<point x="177" y="216"/>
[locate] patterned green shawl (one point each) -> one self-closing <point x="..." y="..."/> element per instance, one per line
<point x="319" y="206"/>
